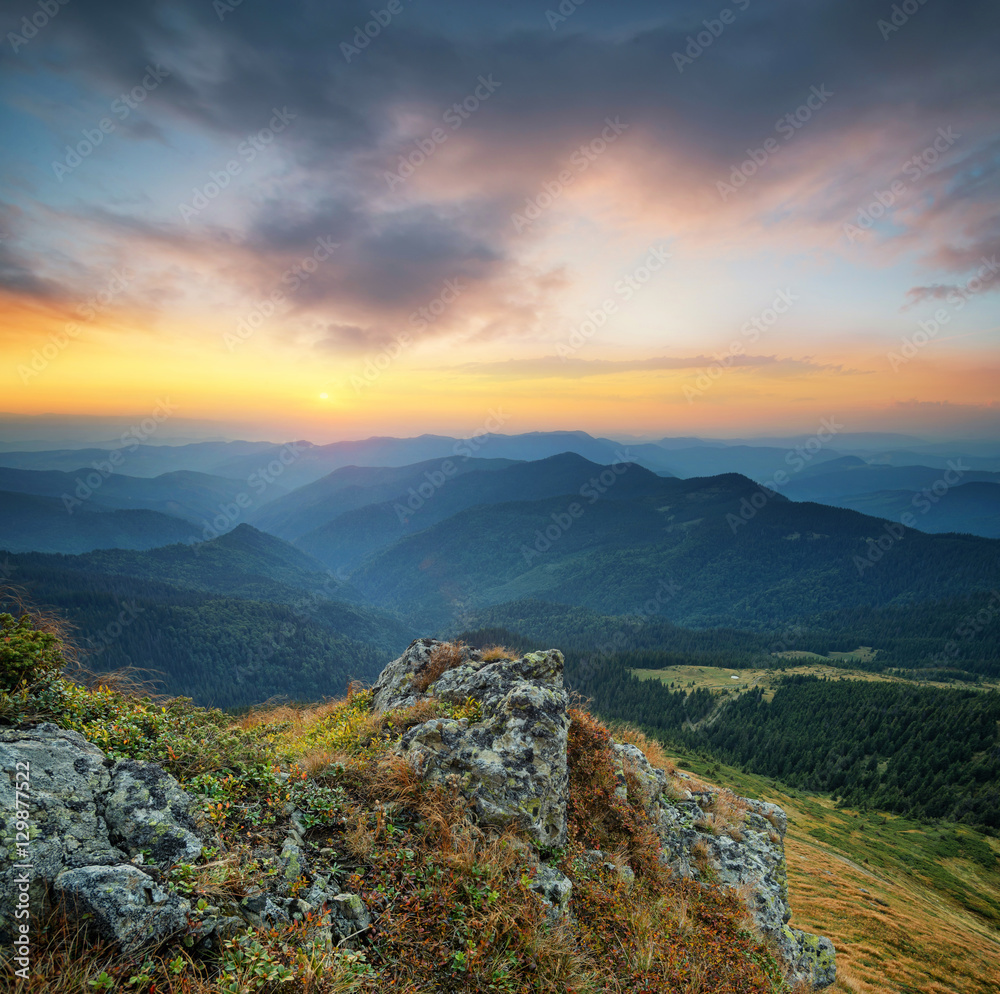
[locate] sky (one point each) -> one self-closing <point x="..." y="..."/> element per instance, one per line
<point x="402" y="216"/>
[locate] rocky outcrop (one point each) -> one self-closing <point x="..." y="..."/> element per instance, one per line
<point x="512" y="765"/>
<point x="126" y="904"/>
<point x="66" y="778"/>
<point x="147" y="812"/>
<point x="736" y="843"/>
<point x="103" y="836"/>
<point x="512" y="762"/>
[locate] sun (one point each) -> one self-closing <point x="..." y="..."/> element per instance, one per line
<point x="324" y="396"/>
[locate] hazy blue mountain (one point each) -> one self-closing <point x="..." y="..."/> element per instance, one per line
<point x="844" y="481"/>
<point x="739" y="558"/>
<point x="138" y="459"/>
<point x="348" y="539"/>
<point x="32" y="523"/>
<point x="319" y="460"/>
<point x="244" y="562"/>
<point x="933" y="456"/>
<point x="759" y="462"/>
<point x="838" y="465"/>
<point x="195" y="497"/>
<point x="351" y="487"/>
<point x="968" y="507"/>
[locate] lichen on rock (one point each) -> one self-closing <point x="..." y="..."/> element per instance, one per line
<point x="743" y="852"/>
<point x="512" y="762"/>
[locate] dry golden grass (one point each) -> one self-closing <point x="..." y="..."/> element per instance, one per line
<point x="728" y="813"/>
<point x="444" y="657"/>
<point x="652" y="749"/>
<point x="893" y="929"/>
<point x="297" y="719"/>
<point x="916" y="939"/>
<point x="491" y="653"/>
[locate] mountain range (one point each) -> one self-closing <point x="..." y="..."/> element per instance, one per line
<point x="237" y="584"/>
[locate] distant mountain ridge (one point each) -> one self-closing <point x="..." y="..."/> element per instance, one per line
<point x="352" y="487"/>
<point x="230" y="622"/>
<point x="345" y="541"/>
<point x="182" y="493"/>
<point x="738" y="556"/>
<point x="29" y="523"/>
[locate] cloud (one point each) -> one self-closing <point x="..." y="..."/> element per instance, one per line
<point x="452" y="219"/>
<point x="557" y="367"/>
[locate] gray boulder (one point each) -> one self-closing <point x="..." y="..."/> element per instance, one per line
<point x="89" y="816"/>
<point x="394" y="687"/>
<point x="348" y="919"/>
<point x="127" y="905"/>
<point x="554" y="888"/>
<point x="512" y="762"/>
<point x="146" y="809"/>
<point x="67" y="778"/>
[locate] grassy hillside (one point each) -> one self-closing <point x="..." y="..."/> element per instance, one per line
<point x="452" y="905"/>
<point x="910" y="906"/>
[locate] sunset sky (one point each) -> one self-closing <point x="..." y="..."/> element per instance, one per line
<point x="637" y="217"/>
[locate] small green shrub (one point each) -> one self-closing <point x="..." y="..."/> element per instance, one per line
<point x="28" y="655"/>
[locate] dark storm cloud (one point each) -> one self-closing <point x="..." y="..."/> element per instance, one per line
<point x="231" y="64"/>
<point x="757" y="69"/>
